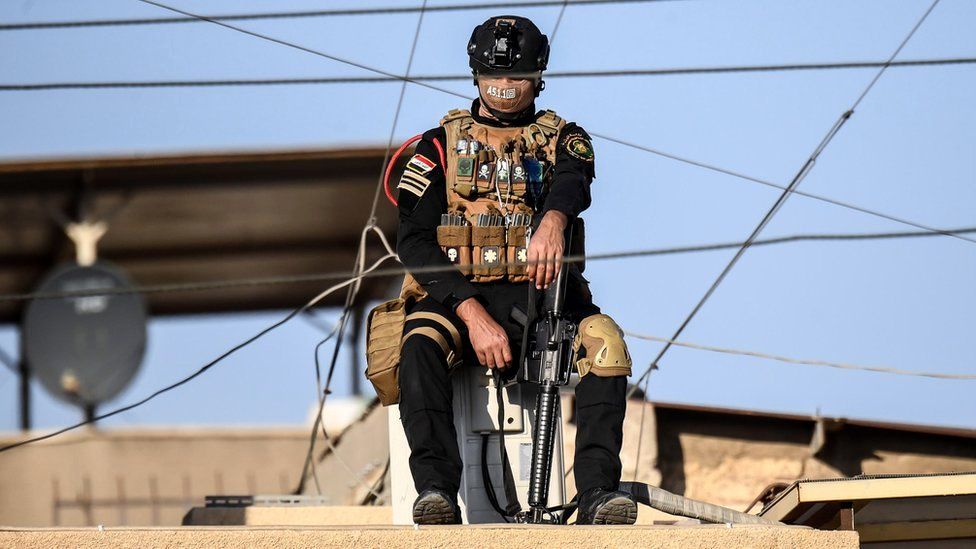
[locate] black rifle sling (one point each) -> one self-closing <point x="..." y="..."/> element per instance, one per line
<point x="511" y="495"/>
<point x="486" y="478"/>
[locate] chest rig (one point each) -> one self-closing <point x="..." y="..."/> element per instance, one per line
<point x="496" y="179"/>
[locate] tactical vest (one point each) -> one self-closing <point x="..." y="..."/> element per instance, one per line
<point x="496" y="179"/>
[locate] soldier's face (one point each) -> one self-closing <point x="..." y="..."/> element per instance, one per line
<point x="508" y="95"/>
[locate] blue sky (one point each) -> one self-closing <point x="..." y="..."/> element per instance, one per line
<point x="908" y="151"/>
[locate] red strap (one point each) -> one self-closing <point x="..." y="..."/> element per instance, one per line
<point x="396" y="155"/>
<point x="440" y="152"/>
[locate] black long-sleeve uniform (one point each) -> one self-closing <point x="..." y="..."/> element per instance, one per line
<point x="425" y="385"/>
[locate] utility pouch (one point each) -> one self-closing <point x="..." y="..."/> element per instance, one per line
<point x="466" y="165"/>
<point x="520" y="181"/>
<point x="464" y="179"/>
<point x="455" y="241"/>
<point x="384" y="332"/>
<point x="488" y="253"/>
<point x="484" y="181"/>
<point x="517" y="254"/>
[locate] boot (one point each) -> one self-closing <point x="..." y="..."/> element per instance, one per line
<point x="436" y="507"/>
<point x="599" y="506"/>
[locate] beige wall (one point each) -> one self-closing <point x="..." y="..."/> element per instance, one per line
<point x="729" y="459"/>
<point x="718" y="457"/>
<point x="175" y="468"/>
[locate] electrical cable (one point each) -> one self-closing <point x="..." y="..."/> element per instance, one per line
<point x="8" y="360"/>
<point x="360" y="263"/>
<point x="324" y="392"/>
<point x="773" y="210"/>
<point x="366" y="273"/>
<point x="640" y="431"/>
<point x="357" y="279"/>
<point x="374" y="490"/>
<point x="302" y="48"/>
<point x="330" y="333"/>
<point x="559" y="21"/>
<point x="797" y="179"/>
<point x="316" y="323"/>
<point x="399" y="271"/>
<point x="40" y="25"/>
<point x="396" y="118"/>
<point x="593" y="134"/>
<point x="207" y="366"/>
<point x="805" y="362"/>
<point x="374" y="271"/>
<point x="766" y="182"/>
<point x="318" y="396"/>
<point x="609" y="73"/>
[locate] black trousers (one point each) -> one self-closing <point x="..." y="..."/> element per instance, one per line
<point x="426" y="397"/>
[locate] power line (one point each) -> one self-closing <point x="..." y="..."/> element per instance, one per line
<point x="206" y="366"/>
<point x="378" y="273"/>
<point x="358" y="266"/>
<point x="806" y="362"/>
<point x="338" y="80"/>
<point x="393" y="10"/>
<point x="396" y="118"/>
<point x="8" y="360"/>
<point x="797" y="179"/>
<point x="320" y="392"/>
<point x="559" y="21"/>
<point x="301" y="48"/>
<point x="374" y="271"/>
<point x="594" y="134"/>
<point x="773" y="210"/>
<point x="768" y="183"/>
<point x="353" y="282"/>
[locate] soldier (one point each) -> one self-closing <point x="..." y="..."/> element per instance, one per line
<point x="506" y="170"/>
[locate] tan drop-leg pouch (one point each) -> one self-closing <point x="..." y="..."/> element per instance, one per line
<point x="384" y="332"/>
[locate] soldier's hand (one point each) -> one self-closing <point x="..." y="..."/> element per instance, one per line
<point x="546" y="247"/>
<point x="488" y="338"/>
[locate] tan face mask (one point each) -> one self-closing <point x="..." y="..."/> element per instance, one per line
<point x="505" y="94"/>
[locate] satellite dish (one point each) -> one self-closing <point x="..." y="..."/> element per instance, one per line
<point x="85" y="350"/>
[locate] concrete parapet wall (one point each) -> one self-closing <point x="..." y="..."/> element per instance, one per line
<point x="153" y="476"/>
<point x="340" y="515"/>
<point x="508" y="536"/>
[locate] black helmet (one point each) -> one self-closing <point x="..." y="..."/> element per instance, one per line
<point x="507" y="44"/>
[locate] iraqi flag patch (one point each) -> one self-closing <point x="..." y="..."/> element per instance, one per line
<point x="421" y="164"/>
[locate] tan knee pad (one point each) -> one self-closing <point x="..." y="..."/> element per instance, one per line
<point x="600" y="348"/>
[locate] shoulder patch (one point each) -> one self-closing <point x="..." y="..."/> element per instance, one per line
<point x="413" y="183"/>
<point x="421" y="164"/>
<point x="578" y="145"/>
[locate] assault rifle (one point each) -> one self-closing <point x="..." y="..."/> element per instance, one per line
<point x="547" y="361"/>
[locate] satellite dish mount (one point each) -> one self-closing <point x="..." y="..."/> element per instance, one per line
<point x="85" y="235"/>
